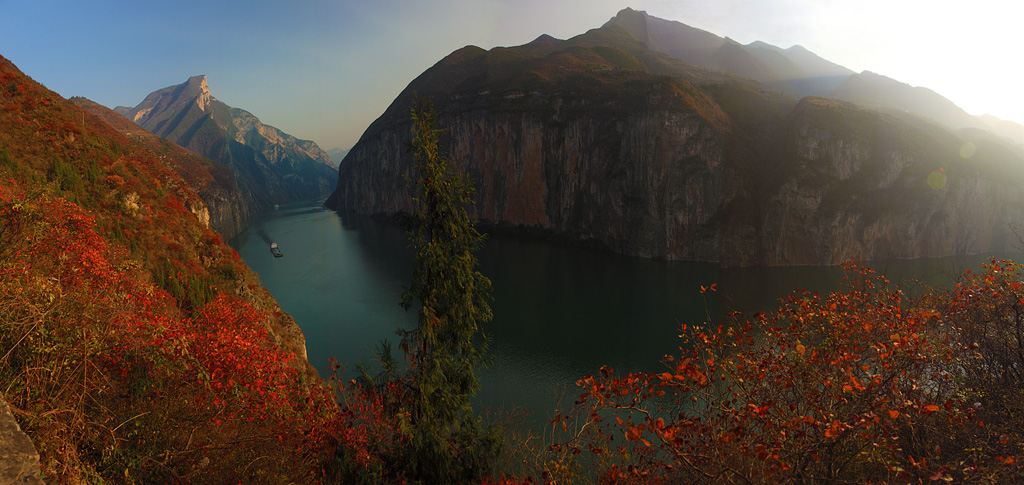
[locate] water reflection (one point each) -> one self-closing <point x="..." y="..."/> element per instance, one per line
<point x="560" y="312"/>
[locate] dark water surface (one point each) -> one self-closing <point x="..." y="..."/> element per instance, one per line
<point x="560" y="312"/>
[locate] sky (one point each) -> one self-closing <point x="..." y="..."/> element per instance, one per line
<point x="325" y="69"/>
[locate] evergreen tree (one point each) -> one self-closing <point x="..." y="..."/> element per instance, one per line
<point x="453" y="298"/>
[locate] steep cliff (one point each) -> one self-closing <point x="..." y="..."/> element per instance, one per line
<point x="270" y="166"/>
<point x="638" y="170"/>
<point x="600" y="139"/>
<point x="854" y="184"/>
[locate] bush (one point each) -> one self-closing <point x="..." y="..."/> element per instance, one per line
<point x="857" y="385"/>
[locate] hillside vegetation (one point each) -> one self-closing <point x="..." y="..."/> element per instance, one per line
<point x="136" y="345"/>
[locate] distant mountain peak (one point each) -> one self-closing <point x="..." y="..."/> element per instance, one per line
<point x="544" y="39"/>
<point x="197" y="85"/>
<point x="762" y="44"/>
<point x="271" y="166"/>
<point x="630" y="11"/>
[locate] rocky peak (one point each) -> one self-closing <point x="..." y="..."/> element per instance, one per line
<point x="270" y="166"/>
<point x="635" y="22"/>
<point x="197" y="85"/>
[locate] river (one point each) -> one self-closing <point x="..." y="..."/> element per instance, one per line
<point x="560" y="311"/>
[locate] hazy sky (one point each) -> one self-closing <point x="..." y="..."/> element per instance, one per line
<point x="323" y="69"/>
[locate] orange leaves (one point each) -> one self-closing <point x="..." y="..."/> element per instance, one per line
<point x="634" y="433"/>
<point x="877" y="365"/>
<point x="835" y="429"/>
<point x="704" y="289"/>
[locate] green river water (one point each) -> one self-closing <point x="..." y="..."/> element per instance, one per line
<point x="560" y="311"/>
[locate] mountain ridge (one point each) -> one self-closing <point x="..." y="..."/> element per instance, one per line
<point x="270" y="166"/>
<point x="601" y="139"/>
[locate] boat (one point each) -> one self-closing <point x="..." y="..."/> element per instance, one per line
<point x="274" y="249"/>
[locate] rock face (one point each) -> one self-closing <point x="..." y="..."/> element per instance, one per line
<point x="600" y="139"/>
<point x="653" y="195"/>
<point x="859" y="185"/>
<point x="269" y="166"/>
<point x="19" y="460"/>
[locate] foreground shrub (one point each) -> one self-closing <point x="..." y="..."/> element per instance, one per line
<point x="857" y="385"/>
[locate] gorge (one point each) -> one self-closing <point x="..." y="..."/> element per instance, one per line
<point x="652" y="194"/>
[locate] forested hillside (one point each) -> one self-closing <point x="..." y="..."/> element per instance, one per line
<point x="136" y="345"/>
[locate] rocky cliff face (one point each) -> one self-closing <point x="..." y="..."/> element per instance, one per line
<point x="652" y="193"/>
<point x="859" y="185"/>
<point x="600" y="139"/>
<point x="269" y="166"/>
<point x="19" y="460"/>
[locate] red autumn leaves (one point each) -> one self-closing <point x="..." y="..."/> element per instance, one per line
<point x="855" y="385"/>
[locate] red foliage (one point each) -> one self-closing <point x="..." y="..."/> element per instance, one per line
<point x="110" y="371"/>
<point x="856" y="385"/>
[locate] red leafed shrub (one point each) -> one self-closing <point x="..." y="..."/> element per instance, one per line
<point x="106" y="373"/>
<point x="134" y="345"/>
<point x="858" y="385"/>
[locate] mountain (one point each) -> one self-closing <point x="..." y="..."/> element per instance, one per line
<point x="270" y="166"/>
<point x="804" y="70"/>
<point x="695" y="46"/>
<point x="337" y="155"/>
<point x="1007" y="129"/>
<point x="794" y="71"/>
<point x="808" y="62"/>
<point x="213" y="182"/>
<point x="138" y="347"/>
<point x="884" y="93"/>
<point x="604" y="140"/>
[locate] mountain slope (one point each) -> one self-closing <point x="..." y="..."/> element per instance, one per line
<point x="880" y="92"/>
<point x="805" y="72"/>
<point x="794" y="71"/>
<point x="214" y="182"/>
<point x="271" y="167"/>
<point x="599" y="139"/>
<point x="137" y="346"/>
<point x="695" y="46"/>
<point x="337" y="155"/>
<point x="1007" y="129"/>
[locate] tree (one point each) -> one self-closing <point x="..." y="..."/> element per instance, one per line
<point x="447" y="444"/>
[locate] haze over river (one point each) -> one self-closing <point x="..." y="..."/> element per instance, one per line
<point x="560" y="311"/>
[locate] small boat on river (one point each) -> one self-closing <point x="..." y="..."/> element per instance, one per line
<point x="274" y="249"/>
